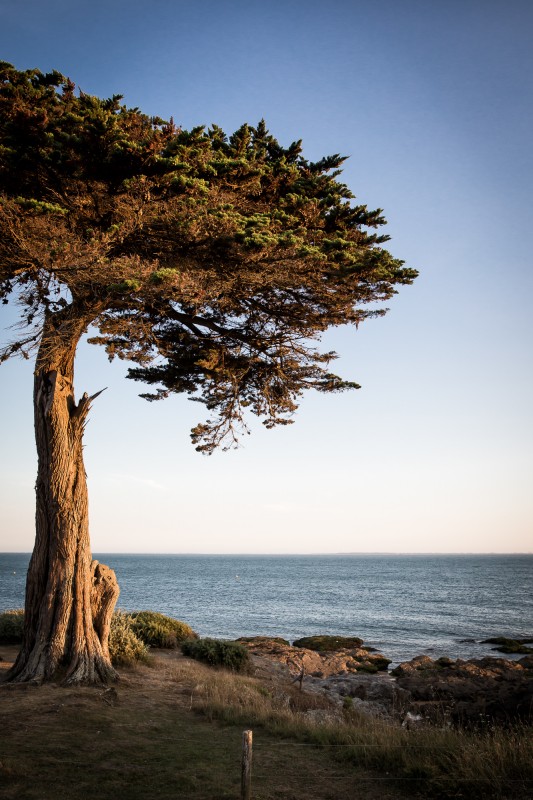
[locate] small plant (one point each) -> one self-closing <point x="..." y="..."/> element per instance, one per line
<point x="347" y="703"/>
<point x="217" y="653"/>
<point x="125" y="647"/>
<point x="11" y="626"/>
<point x="157" y="630"/>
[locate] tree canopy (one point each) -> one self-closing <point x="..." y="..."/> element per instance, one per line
<point x="212" y="262"/>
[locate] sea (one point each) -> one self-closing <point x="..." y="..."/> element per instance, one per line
<point x="402" y="605"/>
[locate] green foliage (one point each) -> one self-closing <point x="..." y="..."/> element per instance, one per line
<point x="129" y="285"/>
<point x="214" y="263"/>
<point x="217" y="653"/>
<point x="130" y="634"/>
<point x="329" y="643"/>
<point x="40" y="206"/>
<point x="158" y="630"/>
<point x="11" y="626"/>
<point x="162" y="275"/>
<point x="125" y="647"/>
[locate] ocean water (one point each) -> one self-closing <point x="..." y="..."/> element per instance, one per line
<point x="403" y="605"/>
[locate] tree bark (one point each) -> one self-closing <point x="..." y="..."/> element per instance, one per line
<point x="69" y="598"/>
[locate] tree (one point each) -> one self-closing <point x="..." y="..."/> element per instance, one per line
<point x="213" y="264"/>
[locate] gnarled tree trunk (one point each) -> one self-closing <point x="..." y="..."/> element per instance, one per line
<point x="69" y="598"/>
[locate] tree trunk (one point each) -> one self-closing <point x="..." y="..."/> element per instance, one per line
<point x="69" y="598"/>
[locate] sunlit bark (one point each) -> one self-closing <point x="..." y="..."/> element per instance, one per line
<point x="69" y="597"/>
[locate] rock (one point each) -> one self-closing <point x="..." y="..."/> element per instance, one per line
<point x="440" y="691"/>
<point x="469" y="691"/>
<point x="506" y="645"/>
<point x="257" y="639"/>
<point x="327" y="662"/>
<point x="412" y="721"/>
<point x="415" y="665"/>
<point x="326" y="644"/>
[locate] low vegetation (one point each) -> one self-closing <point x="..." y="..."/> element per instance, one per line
<point x="217" y="653"/>
<point x="174" y="730"/>
<point x="125" y="647"/>
<point x="429" y="762"/>
<point x="157" y="630"/>
<point x="11" y="626"/>
<point x="130" y="637"/>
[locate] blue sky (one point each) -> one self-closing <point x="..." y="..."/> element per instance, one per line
<point x="432" y="101"/>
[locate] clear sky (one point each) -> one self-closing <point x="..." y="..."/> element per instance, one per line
<point x="433" y="102"/>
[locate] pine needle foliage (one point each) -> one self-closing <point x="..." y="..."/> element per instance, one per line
<point x="212" y="262"/>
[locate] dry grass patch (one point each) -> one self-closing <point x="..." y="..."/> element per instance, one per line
<point x="430" y="762"/>
<point x="144" y="738"/>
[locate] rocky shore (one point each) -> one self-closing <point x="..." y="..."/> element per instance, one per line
<point x="419" y="692"/>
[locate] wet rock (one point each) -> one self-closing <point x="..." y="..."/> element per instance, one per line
<point x="506" y="645"/>
<point x="325" y="644"/>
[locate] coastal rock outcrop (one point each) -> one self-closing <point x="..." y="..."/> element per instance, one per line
<point x="348" y="676"/>
<point x="469" y="691"/>
<point x="417" y="692"/>
<point x="508" y="645"/>
<point x="318" y="663"/>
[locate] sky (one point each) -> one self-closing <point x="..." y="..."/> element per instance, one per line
<point x="433" y="104"/>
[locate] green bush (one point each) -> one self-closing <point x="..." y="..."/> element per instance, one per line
<point x="157" y="630"/>
<point x="11" y="626"/>
<point x="217" y="653"/>
<point x="124" y="646"/>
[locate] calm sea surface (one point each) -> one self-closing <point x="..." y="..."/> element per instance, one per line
<point x="402" y="605"/>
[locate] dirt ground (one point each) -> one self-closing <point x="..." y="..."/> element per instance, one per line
<point x="142" y="739"/>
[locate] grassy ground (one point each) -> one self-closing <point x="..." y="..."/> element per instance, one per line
<point x="174" y="729"/>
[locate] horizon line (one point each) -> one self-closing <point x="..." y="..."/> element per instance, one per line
<point x="281" y="555"/>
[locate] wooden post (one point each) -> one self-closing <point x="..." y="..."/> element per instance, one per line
<point x="246" y="768"/>
<point x="299" y="678"/>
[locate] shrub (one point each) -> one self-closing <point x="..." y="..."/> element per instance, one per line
<point x="157" y="630"/>
<point x="217" y="653"/>
<point x="11" y="626"/>
<point x="124" y="646"/>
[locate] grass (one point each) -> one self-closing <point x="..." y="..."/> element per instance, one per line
<point x="173" y="728"/>
<point x="145" y="738"/>
<point x="441" y="763"/>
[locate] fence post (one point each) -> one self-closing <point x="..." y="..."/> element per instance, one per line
<point x="246" y="767"/>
